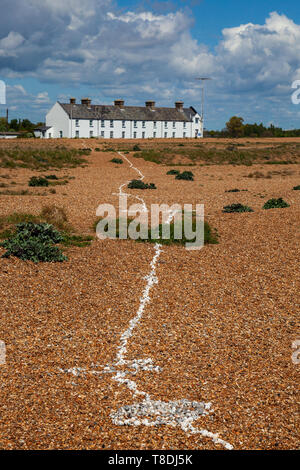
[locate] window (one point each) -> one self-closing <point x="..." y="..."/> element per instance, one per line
<point x="77" y="123"/>
<point x="196" y="120"/>
<point x="111" y="123"/>
<point x="184" y="134"/>
<point x="91" y="133"/>
<point x="184" y="125"/>
<point x="174" y="124"/>
<point x="134" y="135"/>
<point x="102" y="123"/>
<point x="123" y="135"/>
<point x="102" y="133"/>
<point x="60" y="134"/>
<point x="134" y="123"/>
<point x="91" y="123"/>
<point x="173" y="135"/>
<point x="154" y="124"/>
<point x="77" y="134"/>
<point x="123" y="123"/>
<point x="143" y="135"/>
<point x="166" y="124"/>
<point x="111" y="134"/>
<point x="166" y="135"/>
<point x="143" y="123"/>
<point x="154" y="135"/>
<point x="50" y="135"/>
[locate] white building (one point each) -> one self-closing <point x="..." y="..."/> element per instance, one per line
<point x="117" y="121"/>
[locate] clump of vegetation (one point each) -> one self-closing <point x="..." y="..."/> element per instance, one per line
<point x="38" y="181"/>
<point x="97" y="149"/>
<point x="235" y="190"/>
<point x="276" y="204"/>
<point x="150" y="155"/>
<point x="119" y="161"/>
<point x="236" y="208"/>
<point x="42" y="157"/>
<point x="52" y="216"/>
<point x="185" y="175"/>
<point x="139" y="184"/>
<point x="136" y="148"/>
<point x="173" y="172"/>
<point x="34" y="242"/>
<point x="51" y="177"/>
<point x="210" y="235"/>
<point x="296" y="188"/>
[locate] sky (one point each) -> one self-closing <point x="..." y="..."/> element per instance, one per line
<point x="141" y="50"/>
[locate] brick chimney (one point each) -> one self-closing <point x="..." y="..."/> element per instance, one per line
<point x="86" y="101"/>
<point x="72" y="100"/>
<point x="119" y="103"/>
<point x="150" y="104"/>
<point x="179" y="105"/>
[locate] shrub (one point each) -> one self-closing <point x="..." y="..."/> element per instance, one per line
<point x="136" y="148"/>
<point x="119" y="161"/>
<point x="34" y="242"/>
<point x="275" y="204"/>
<point x="173" y="172"/>
<point x="38" y="181"/>
<point x="139" y="184"/>
<point x="296" y="188"/>
<point x="237" y="208"/>
<point x="185" y="175"/>
<point x="210" y="235"/>
<point x="97" y="149"/>
<point x="51" y="177"/>
<point x="233" y="191"/>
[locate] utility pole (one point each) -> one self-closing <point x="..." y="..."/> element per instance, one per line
<point x="203" y="79"/>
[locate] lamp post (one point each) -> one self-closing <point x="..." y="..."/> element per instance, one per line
<point x="203" y="79"/>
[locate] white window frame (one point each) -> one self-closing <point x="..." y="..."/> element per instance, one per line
<point x="111" y="123"/>
<point x="91" y="123"/>
<point x="123" y="124"/>
<point x="77" y="122"/>
<point x="102" y="123"/>
<point x="111" y="134"/>
<point x="135" y="124"/>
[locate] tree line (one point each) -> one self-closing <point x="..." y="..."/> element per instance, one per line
<point x="236" y="128"/>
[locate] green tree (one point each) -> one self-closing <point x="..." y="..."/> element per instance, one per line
<point x="235" y="126"/>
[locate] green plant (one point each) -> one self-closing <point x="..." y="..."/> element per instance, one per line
<point x="97" y="149"/>
<point x="138" y="184"/>
<point x="136" y="148"/>
<point x="210" y="235"/>
<point x="119" y="161"/>
<point x="185" y="175"/>
<point x="237" y="208"/>
<point x="173" y="172"/>
<point x="35" y="242"/>
<point x="51" y="177"/>
<point x="276" y="204"/>
<point x="38" y="181"/>
<point x="235" y="190"/>
<point x="296" y="188"/>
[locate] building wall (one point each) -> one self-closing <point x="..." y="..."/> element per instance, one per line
<point x="59" y="120"/>
<point x="83" y="128"/>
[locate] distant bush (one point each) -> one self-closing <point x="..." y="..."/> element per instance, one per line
<point x="34" y="242"/>
<point x="185" y="175"/>
<point x="138" y="184"/>
<point x="275" y="204"/>
<point x="119" y="161"/>
<point x="237" y="208"/>
<point x="136" y="148"/>
<point x="296" y="188"/>
<point x="173" y="172"/>
<point x="97" y="149"/>
<point x="38" y="181"/>
<point x="51" y="177"/>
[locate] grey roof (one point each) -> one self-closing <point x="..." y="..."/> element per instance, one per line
<point x="42" y="128"/>
<point x="127" y="113"/>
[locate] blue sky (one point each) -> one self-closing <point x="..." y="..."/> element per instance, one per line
<point x="134" y="50"/>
